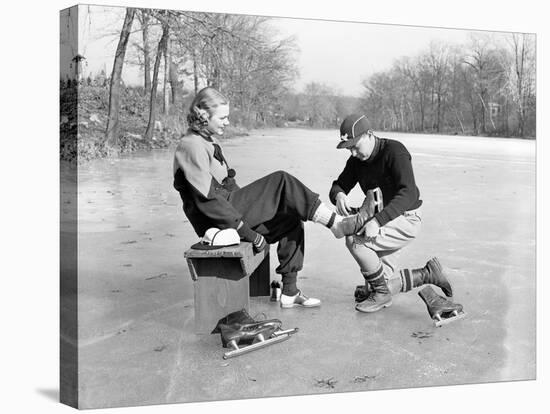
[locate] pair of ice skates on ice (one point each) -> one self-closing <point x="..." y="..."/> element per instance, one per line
<point x="243" y="334"/>
<point x="442" y="310"/>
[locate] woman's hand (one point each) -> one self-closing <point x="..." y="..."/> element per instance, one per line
<point x="258" y="241"/>
<point x="259" y="244"/>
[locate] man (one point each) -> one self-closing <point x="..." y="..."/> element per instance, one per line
<point x="384" y="164"/>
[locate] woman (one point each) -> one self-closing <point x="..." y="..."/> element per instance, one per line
<point x="269" y="210"/>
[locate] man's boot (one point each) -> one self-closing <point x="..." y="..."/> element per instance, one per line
<point x="432" y="274"/>
<point x="362" y="292"/>
<point x="379" y="297"/>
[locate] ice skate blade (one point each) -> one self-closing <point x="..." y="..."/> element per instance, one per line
<point x="255" y="346"/>
<point x="446" y="321"/>
<point x="285" y="332"/>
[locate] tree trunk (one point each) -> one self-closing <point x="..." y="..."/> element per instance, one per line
<point x="459" y="121"/>
<point x="473" y="111"/>
<point x="152" y="98"/>
<point x="521" y="123"/>
<point x="165" y="94"/>
<point x="195" y="73"/>
<point x="412" y="116"/>
<point x="438" y="117"/>
<point x="521" y="95"/>
<point x="111" y="134"/>
<point x="146" y="52"/>
<point x="402" y="111"/>
<point x="483" y="112"/>
<point x="422" y="113"/>
<point x="214" y="82"/>
<point x="174" y="84"/>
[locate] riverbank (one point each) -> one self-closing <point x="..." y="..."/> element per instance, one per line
<point x="84" y="114"/>
<point x="83" y="121"/>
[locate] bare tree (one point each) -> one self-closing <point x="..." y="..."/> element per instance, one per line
<point x="439" y="66"/>
<point x="175" y="84"/>
<point x="482" y="61"/>
<point x="195" y="72"/>
<point x="165" y="94"/>
<point x="521" y="75"/>
<point x="384" y="99"/>
<point x="319" y="105"/>
<point x="111" y="134"/>
<point x="144" y="19"/>
<point x="153" y="96"/>
<point x="240" y="56"/>
<point x="477" y="88"/>
<point x="415" y="72"/>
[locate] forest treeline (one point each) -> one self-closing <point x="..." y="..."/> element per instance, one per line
<point x="485" y="87"/>
<point x="239" y="55"/>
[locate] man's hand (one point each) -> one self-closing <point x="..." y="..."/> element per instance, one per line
<point x="370" y="229"/>
<point x="342" y="205"/>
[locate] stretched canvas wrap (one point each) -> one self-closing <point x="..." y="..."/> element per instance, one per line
<point x="138" y="305"/>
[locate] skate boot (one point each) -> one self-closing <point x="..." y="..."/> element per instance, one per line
<point x="372" y="204"/>
<point x="441" y="310"/>
<point x="433" y="274"/>
<point x="241" y="317"/>
<point x="379" y="297"/>
<point x="249" y="337"/>
<point x="350" y="225"/>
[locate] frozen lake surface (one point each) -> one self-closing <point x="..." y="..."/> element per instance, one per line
<point x="136" y="294"/>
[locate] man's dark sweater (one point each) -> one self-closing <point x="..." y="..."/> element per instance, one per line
<point x="389" y="167"/>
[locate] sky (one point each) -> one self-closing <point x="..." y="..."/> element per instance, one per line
<point x="338" y="54"/>
<point x="342" y="54"/>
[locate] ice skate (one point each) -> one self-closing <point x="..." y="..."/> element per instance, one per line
<point x="372" y="204"/>
<point x="441" y="310"/>
<point x="241" y="317"/>
<point x="246" y="332"/>
<point x="433" y="274"/>
<point x="249" y="337"/>
<point x="351" y="225"/>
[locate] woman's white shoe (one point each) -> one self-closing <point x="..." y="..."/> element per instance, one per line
<point x="299" y="299"/>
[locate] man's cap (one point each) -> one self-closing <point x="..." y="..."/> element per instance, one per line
<point x="215" y="238"/>
<point x="351" y="130"/>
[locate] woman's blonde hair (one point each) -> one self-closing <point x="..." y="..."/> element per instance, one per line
<point x="202" y="106"/>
